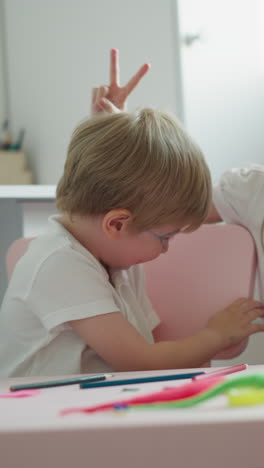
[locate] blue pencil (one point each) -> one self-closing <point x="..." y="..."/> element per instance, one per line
<point x="138" y="380"/>
<point x="61" y="382"/>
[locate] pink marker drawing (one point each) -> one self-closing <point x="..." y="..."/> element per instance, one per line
<point x="168" y="394"/>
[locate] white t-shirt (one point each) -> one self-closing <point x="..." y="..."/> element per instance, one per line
<point x="239" y="199"/>
<point x="58" y="280"/>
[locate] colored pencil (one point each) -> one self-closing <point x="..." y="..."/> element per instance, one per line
<point x="139" y="380"/>
<point x="221" y="372"/>
<point x="59" y="383"/>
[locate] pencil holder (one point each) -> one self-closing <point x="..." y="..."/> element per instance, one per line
<point x="13" y="168"/>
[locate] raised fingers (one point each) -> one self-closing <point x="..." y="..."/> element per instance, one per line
<point x="107" y="106"/>
<point x="101" y="92"/>
<point x="94" y="94"/>
<point x="132" y="83"/>
<point x="97" y="95"/>
<point x="114" y="67"/>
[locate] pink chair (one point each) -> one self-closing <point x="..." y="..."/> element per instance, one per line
<point x="16" y="250"/>
<point x="203" y="272"/>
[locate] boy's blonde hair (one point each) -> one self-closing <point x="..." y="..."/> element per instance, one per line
<point x="143" y="162"/>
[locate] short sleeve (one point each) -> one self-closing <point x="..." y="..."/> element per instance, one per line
<point x="70" y="287"/>
<point x="146" y="306"/>
<point x="238" y="193"/>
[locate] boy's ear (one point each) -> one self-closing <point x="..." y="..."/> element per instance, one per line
<point x="116" y="223"/>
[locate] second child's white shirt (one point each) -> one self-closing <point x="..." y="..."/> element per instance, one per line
<point x="239" y="199"/>
<point x="56" y="281"/>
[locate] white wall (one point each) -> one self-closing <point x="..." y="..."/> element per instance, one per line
<point x="223" y="87"/>
<point x="58" y="49"/>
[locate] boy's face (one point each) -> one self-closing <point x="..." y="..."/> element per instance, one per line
<point x="156" y="241"/>
<point x="135" y="248"/>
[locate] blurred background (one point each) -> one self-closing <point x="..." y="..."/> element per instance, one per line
<point x="207" y="68"/>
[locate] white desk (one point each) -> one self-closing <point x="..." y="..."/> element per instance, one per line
<point x="34" y="435"/>
<point x="24" y="210"/>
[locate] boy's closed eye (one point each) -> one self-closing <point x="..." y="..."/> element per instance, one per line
<point x="164" y="238"/>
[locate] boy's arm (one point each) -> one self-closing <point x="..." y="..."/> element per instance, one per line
<point x="116" y="341"/>
<point x="113" y="98"/>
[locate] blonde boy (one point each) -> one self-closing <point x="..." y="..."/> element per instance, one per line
<point x="76" y="302"/>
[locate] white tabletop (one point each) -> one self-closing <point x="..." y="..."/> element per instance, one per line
<point x="27" y="192"/>
<point x="154" y="438"/>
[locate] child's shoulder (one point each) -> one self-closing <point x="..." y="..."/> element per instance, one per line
<point x="247" y="172"/>
<point x="238" y="197"/>
<point x="244" y="180"/>
<point x="58" y="241"/>
<point x="53" y="253"/>
<point x="56" y="254"/>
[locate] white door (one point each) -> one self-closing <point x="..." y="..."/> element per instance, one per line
<point x="222" y="56"/>
<point x="223" y="79"/>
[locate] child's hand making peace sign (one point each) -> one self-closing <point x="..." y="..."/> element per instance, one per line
<point x="112" y="98"/>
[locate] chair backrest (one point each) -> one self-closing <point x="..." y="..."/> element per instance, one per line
<point x="202" y="273"/>
<point x="14" y="252"/>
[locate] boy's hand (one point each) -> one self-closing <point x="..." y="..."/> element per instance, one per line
<point x="113" y="98"/>
<point x="234" y="323"/>
<point x="100" y="103"/>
